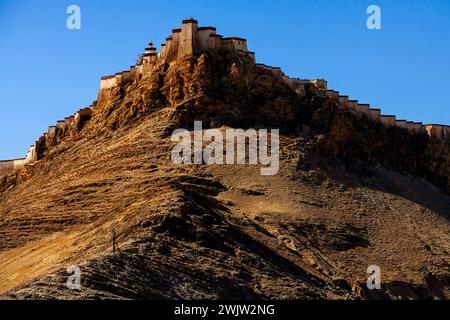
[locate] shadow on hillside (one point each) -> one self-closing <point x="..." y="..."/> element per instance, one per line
<point x="403" y="185"/>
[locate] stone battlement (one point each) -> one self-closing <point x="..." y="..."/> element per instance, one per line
<point x="433" y="130"/>
<point x="33" y="154"/>
<point x="298" y="84"/>
<point x="438" y="131"/>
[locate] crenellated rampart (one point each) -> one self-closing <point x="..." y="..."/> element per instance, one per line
<point x="35" y="151"/>
<point x="433" y="130"/>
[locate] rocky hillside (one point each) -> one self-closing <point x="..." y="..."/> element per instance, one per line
<point x="350" y="193"/>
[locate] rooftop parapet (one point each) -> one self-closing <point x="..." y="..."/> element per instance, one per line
<point x="388" y="120"/>
<point x="418" y="127"/>
<point x="206" y="28"/>
<point x="235" y="43"/>
<point x="108" y="77"/>
<point x="375" y="114"/>
<point x="294" y="82"/>
<point x="190" y="21"/>
<point x="321" y="84"/>
<point x="446" y="132"/>
<point x="343" y="100"/>
<point x="252" y="56"/>
<point x="436" y="131"/>
<point x="234" y="39"/>
<point x="364" y="108"/>
<point x="353" y="104"/>
<point x="333" y="93"/>
<point x="402" y="124"/>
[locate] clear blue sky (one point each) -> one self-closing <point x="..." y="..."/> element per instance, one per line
<point x="48" y="72"/>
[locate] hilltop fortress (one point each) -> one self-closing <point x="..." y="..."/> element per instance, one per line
<point x="192" y="40"/>
<point x="188" y="41"/>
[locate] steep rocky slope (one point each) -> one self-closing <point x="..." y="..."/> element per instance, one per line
<point x="350" y="193"/>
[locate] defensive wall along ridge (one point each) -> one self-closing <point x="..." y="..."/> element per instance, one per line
<point x="191" y="40"/>
<point x="433" y="130"/>
<point x="34" y="154"/>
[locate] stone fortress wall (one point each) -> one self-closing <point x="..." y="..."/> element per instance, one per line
<point x="191" y="40"/>
<point x="433" y="130"/>
<point x="33" y="155"/>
